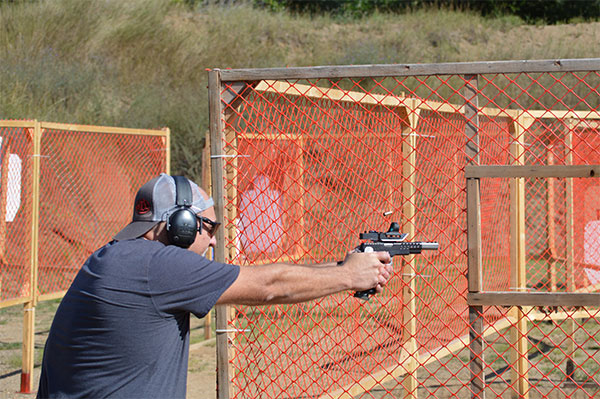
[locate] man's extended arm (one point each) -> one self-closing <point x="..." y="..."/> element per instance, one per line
<point x="287" y="283"/>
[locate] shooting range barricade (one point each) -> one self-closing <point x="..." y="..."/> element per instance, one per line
<point x="495" y="161"/>
<point x="65" y="190"/>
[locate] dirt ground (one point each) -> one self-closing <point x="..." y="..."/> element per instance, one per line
<point x="201" y="369"/>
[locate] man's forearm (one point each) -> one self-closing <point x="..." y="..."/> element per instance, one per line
<point x="288" y="283"/>
<point x="318" y="265"/>
<point x="285" y="283"/>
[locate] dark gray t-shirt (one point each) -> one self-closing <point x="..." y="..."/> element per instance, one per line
<point x="122" y="329"/>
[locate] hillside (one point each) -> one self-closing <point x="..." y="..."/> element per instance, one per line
<point x="142" y="63"/>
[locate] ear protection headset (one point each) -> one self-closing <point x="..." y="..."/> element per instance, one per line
<point x="182" y="224"/>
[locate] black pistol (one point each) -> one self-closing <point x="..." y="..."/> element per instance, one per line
<point x="391" y="241"/>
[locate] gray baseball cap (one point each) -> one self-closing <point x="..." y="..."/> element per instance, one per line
<point x="155" y="202"/>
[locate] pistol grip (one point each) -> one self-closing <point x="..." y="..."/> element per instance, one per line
<point x="364" y="295"/>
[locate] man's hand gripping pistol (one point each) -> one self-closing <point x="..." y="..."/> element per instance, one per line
<point x="391" y="241"/>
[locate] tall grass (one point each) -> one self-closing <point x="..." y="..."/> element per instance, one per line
<point x="142" y="63"/>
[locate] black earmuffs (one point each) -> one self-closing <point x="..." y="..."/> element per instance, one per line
<point x="182" y="224"/>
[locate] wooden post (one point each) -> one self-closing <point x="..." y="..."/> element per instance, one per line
<point x="476" y="344"/>
<point x="232" y="95"/>
<point x="570" y="215"/>
<point x="28" y="357"/>
<point x="207" y="185"/>
<point x="4" y="158"/>
<point x="518" y="277"/>
<point x="216" y="143"/>
<point x="4" y="155"/>
<point x="457" y="207"/>
<point x="570" y="276"/>
<point x="303" y="194"/>
<point x="167" y="141"/>
<point x="409" y="312"/>
<point x="551" y="225"/>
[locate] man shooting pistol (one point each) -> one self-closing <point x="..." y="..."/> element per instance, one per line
<point x="391" y="241"/>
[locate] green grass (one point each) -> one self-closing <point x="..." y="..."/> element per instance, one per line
<point x="15" y="361"/>
<point x="4" y="346"/>
<point x="142" y="63"/>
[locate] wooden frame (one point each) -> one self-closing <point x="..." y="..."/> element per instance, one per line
<point x="409" y="146"/>
<point x="510" y="298"/>
<point x="474" y="275"/>
<point x="364" y="71"/>
<point x="518" y="274"/>
<point x="285" y="81"/>
<point x="571" y="247"/>
<point x="519" y="300"/>
<point x="36" y="130"/>
<point x="217" y="164"/>
<point x="27" y="362"/>
<point x="541" y="171"/>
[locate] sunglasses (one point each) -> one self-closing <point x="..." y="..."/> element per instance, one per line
<point x="210" y="226"/>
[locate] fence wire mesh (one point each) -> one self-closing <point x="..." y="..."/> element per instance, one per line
<point x="561" y="358"/>
<point x="88" y="180"/>
<point x="310" y="163"/>
<point x="15" y="227"/>
<point x="86" y="175"/>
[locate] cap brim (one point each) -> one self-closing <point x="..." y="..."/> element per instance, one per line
<point x="135" y="230"/>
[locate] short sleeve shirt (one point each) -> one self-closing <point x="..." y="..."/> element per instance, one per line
<point x="122" y="329"/>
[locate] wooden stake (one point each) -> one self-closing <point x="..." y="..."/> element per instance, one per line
<point x="551" y="225"/>
<point x="5" y="154"/>
<point x="570" y="283"/>
<point x="28" y="355"/>
<point x="476" y="342"/>
<point x="216" y="142"/>
<point x="518" y="279"/>
<point x="29" y="307"/>
<point x="409" y="313"/>
<point x="207" y="185"/>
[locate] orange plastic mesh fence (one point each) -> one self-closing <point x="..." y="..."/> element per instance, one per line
<point x="310" y="164"/>
<point x="15" y="211"/>
<point x="561" y="358"/>
<point x="570" y="142"/>
<point x="88" y="178"/>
